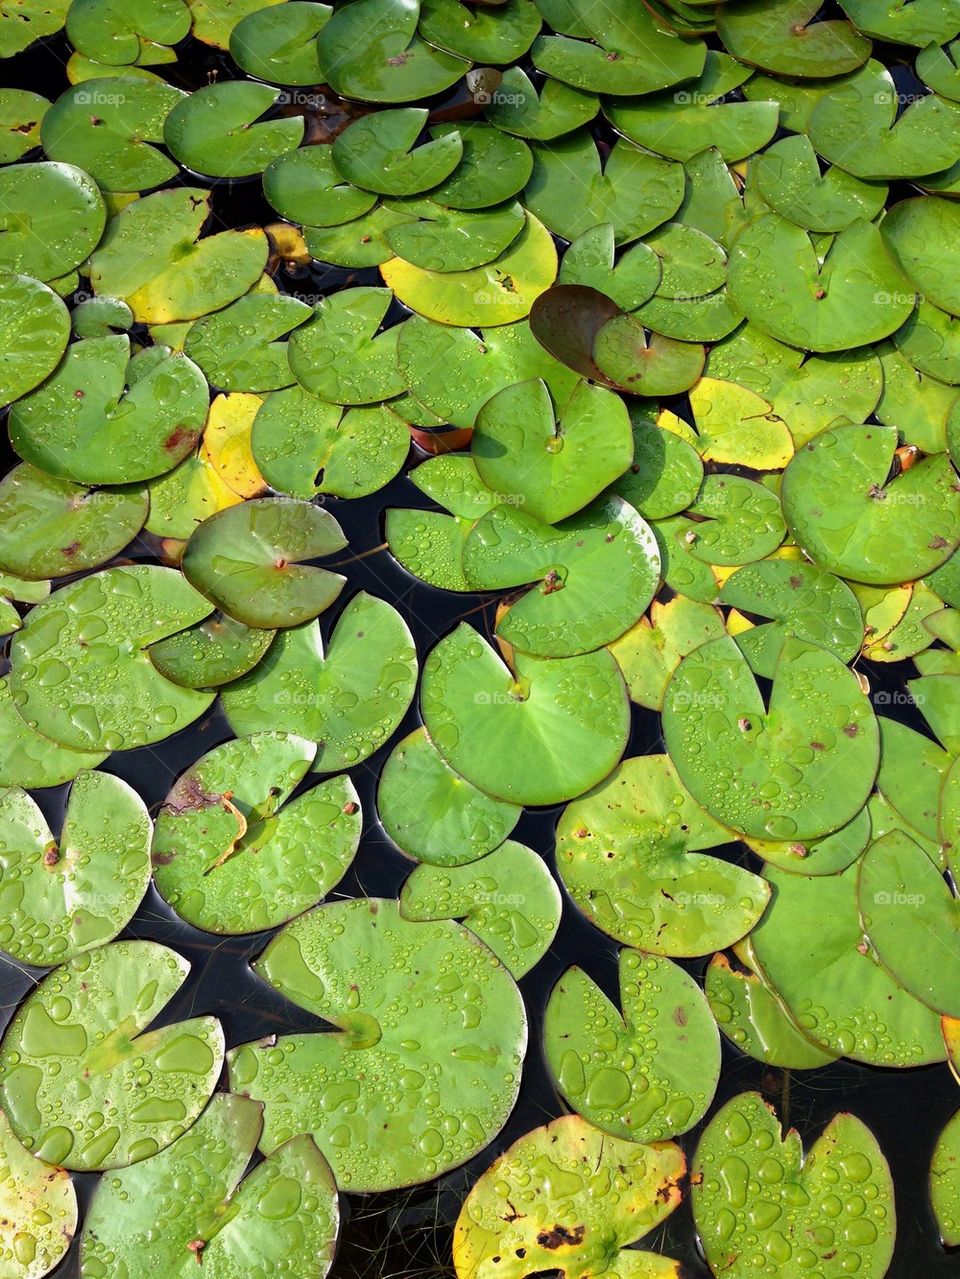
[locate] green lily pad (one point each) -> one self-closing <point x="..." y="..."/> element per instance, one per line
<point x="96" y="317"/>
<point x="945" y="1182"/>
<point x="553" y="464"/>
<point x="902" y="895"/>
<point x="930" y="340"/>
<point x="154" y="259"/>
<point x="238" y="348"/>
<point x="432" y="813"/>
<point x="571" y="190"/>
<point x="106" y="418"/>
<point x="78" y="1048"/>
<point x="378" y="153"/>
<point x="796" y="771"/>
<point x="349" y="701"/>
<point x="339" y="356"/>
<point x="634" y="54"/>
<point x="566" y="719"/>
<point x="855" y="296"/>
<point x="81" y="674"/>
<point x="739" y="521"/>
<point x="911" y="229"/>
<point x="249" y="561"/>
<point x="937" y="68"/>
<point x="38" y="1206"/>
<point x="214" y="651"/>
<point x="60" y="899"/>
<point x="628" y="855"/>
<point x="28" y="21"/>
<point x="109" y="126"/>
<point x="306" y="187"/>
<point x="826" y="855"/>
<point x="493" y="167"/>
<point x="683" y="572"/>
<point x="371" y="50"/>
<point x="580" y="1197"/>
<point x="749" y="1014"/>
<point x="285" y="1211"/>
<point x="499" y="292"/>
<point x="590" y="261"/>
<point x="832" y="982"/>
<point x="784" y="36"/>
<point x="920" y="23"/>
<point x="788" y="178"/>
<point x="508" y="899"/>
<point x="446" y="240"/>
<point x="29" y="759"/>
<point x="108" y="31"/>
<point x="653" y="366"/>
<point x="860" y="127"/>
<point x="279" y="45"/>
<point x="498" y="357"/>
<point x="232" y="855"/>
<point x="592" y="575"/>
<point x="650" y="651"/>
<point x="435" y="1023"/>
<point x="516" y="106"/>
<point x="500" y="33"/>
<point x="802" y="601"/>
<point x="52" y="217"/>
<point x="682" y="123"/>
<point x="666" y="472"/>
<point x="915" y="403"/>
<point x="305" y="446"/>
<point x="214" y="20"/>
<point x="833" y="1210"/>
<point x="34" y="330"/>
<point x="214" y="130"/>
<point x="665" y="1031"/>
<point x="849" y="518"/>
<point x="809" y="393"/>
<point x="20" y="114"/>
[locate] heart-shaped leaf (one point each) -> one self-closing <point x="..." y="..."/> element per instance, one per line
<point x="339" y="357"/>
<point x="541" y="113"/>
<point x="237" y="348"/>
<point x="378" y="153"/>
<point x="788" y="178"/>
<point x="280" y="45"/>
<point x="215" y="132"/>
<point x="53" y="216"/>
<point x="784" y="36"/>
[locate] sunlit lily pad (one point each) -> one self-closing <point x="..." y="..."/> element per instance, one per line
<point x="239" y="349"/>
<point x="105" y="417"/>
<point x="579" y="1198"/>
<point x="451" y="240"/>
<point x="663" y="1028"/>
<point x="29" y="759"/>
<point x="837" y="1201"/>
<point x="234" y="854"/>
<point x="508" y="898"/>
<point x="215" y="131"/>
<point x="627" y="853"/>
<point x="650" y="652"/>
<point x="912" y="230"/>
<point x="53" y="215"/>
<point x="349" y="700"/>
<point x="378" y="153"/>
<point x="435" y="1023"/>
<point x="214" y="651"/>
<point x="78" y="1049"/>
<point x="851" y="518"/>
<point x="34" y="329"/>
<point x="591" y="261"/>
<point x="786" y="37"/>
<point x="249" y="560"/>
<point x="434" y="814"/>
<point x="666" y="472"/>
<point x="285" y="1210"/>
<point x="30" y="20"/>
<point x="736" y="521"/>
<point x="38" y="1207"/>
<point x="338" y="355"/>
<point x="945" y="1182"/>
<point x="81" y="674"/>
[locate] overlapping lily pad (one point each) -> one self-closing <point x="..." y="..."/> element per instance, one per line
<point x="38" y="1208"/>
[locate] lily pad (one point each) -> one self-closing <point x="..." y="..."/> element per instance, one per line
<point x="627" y="854"/>
<point x="349" y="701"/>
<point x="797" y="770"/>
<point x="105" y="417"/>
<point x="238" y="348"/>
<point x="31" y="20"/>
<point x="851" y="518"/>
<point x="434" y="814"/>
<point x="499" y="33"/>
<point x="378" y="153"/>
<point x="494" y="167"/>
<point x="565" y="719"/>
<point x="665" y="1032"/>
<point x="34" y="329"/>
<point x="285" y="1210"/>
<point x="38" y="1207"/>
<point x="736" y="521"/>
<point x="580" y="1198"/>
<point x="108" y="31"/>
<point x="945" y="1182"/>
<point x="249" y="561"/>
<point x="591" y="261"/>
<point x="29" y="759"/>
<point x="508" y="899"/>
<point x="53" y="216"/>
<point x="540" y="114"/>
<point x="785" y="37"/>
<point x="592" y="575"/>
<point x="448" y="240"/>
<point x="234" y="854"/>
<point x="831" y="980"/>
<point x="78" y="1048"/>
<point x="215" y="131"/>
<point x="101" y="691"/>
<point x="650" y="652"/>
<point x="306" y="187"/>
<point x="911" y="230"/>
<point x="553" y="464"/>
<point x="738" y="427"/>
<point x="339" y="356"/>
<point x="811" y="1211"/>
<point x="433" y="1020"/>
<point x="281" y="46"/>
<point x="788" y="178"/>
<point x="666" y="473"/>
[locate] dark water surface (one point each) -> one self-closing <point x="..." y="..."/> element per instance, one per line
<point x="407" y="1233"/>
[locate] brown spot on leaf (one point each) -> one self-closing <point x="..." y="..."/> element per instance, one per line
<point x="561" y="1237"/>
<point x="178" y="437"/>
<point x="851" y="730"/>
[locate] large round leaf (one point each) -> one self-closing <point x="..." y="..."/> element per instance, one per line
<point x="797" y="770"/>
<point x="945" y="1182"/>
<point x="29" y="759"/>
<point x="433" y="1023"/>
<point x="349" y="701"/>
<point x="378" y="153"/>
<point x="238" y="348"/>
<point x="53" y="216"/>
<point x="338" y="354"/>
<point x="921" y="235"/>
<point x="85" y="1083"/>
<point x="539" y="734"/>
<point x="81" y="674"/>
<point x="784" y="36"/>
<point x="34" y="329"/>
<point x="62" y="898"/>
<point x="281" y="47"/>
<point x="214" y="130"/>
